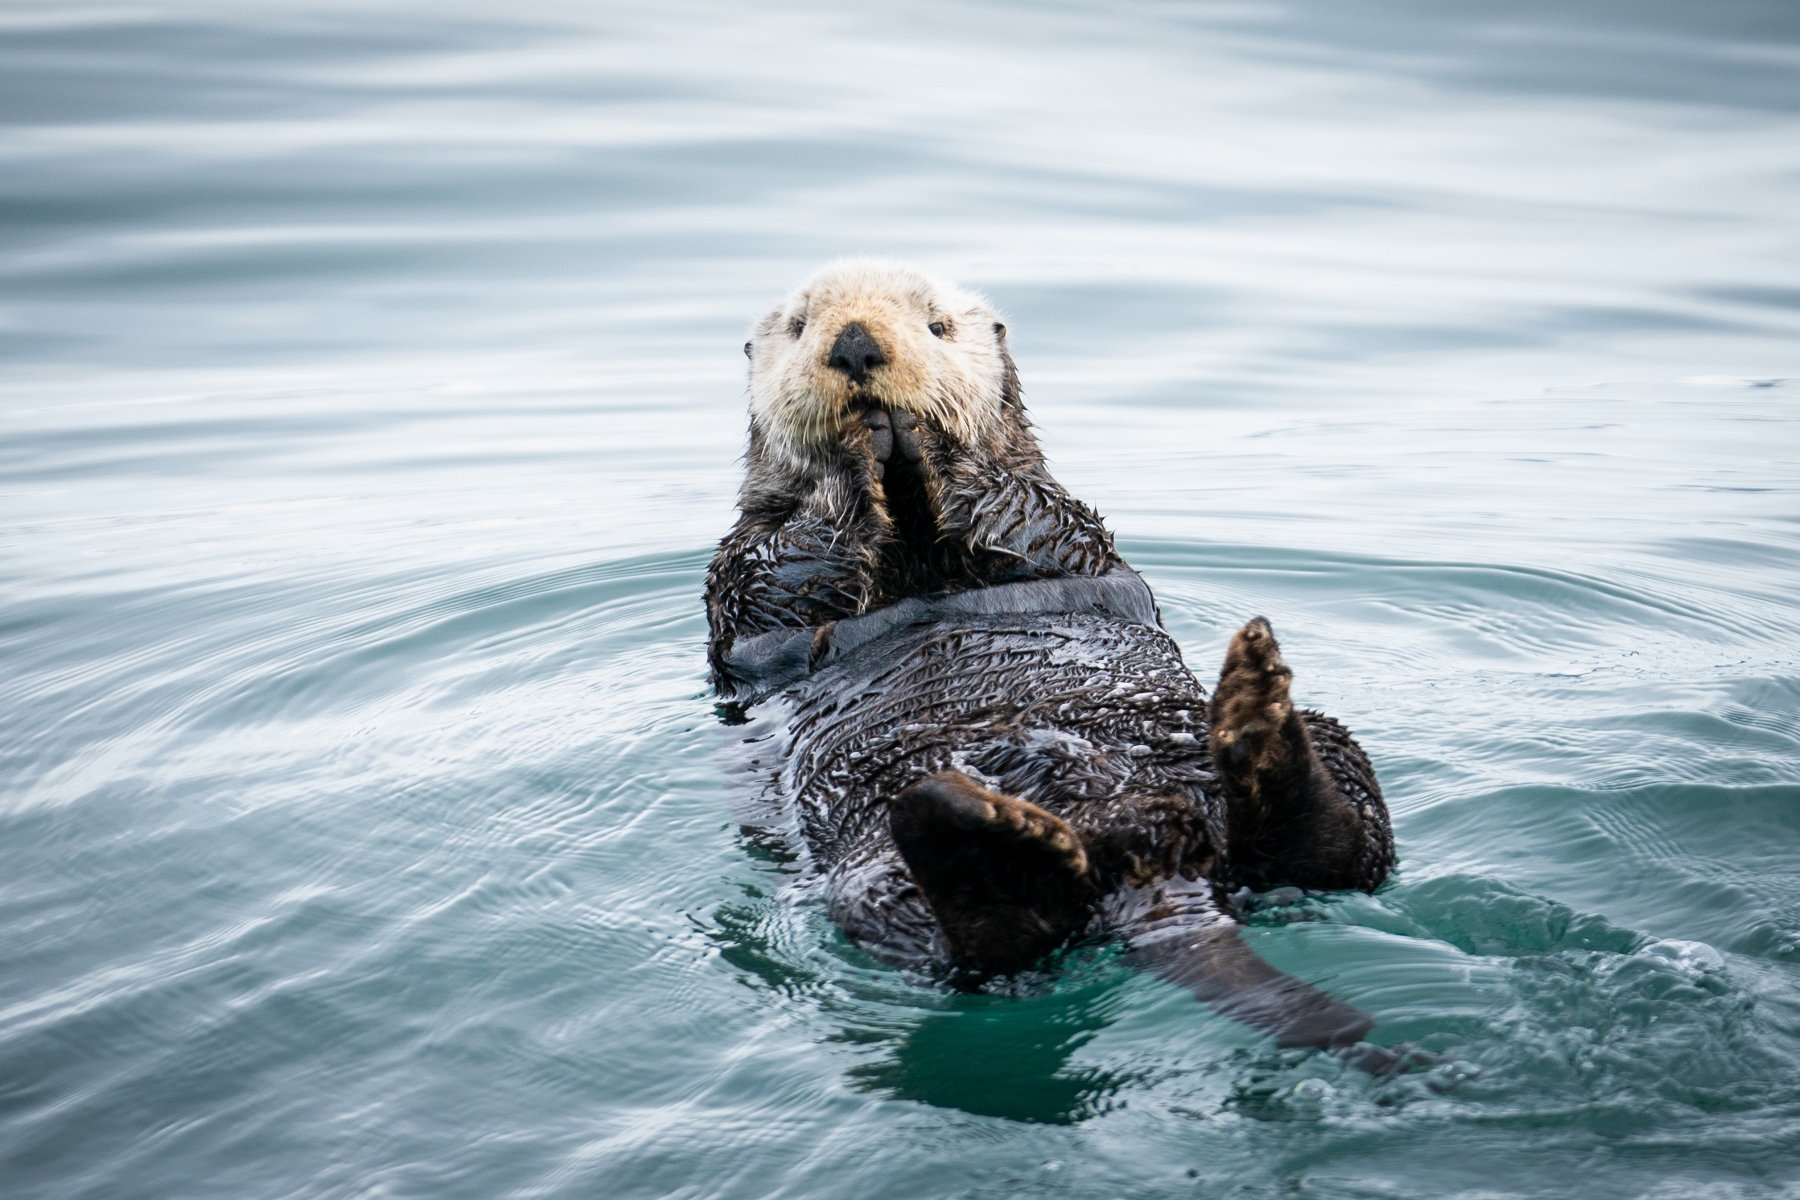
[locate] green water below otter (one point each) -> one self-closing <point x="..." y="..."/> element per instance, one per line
<point x="371" y="399"/>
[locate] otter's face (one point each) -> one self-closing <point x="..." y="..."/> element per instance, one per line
<point x="862" y="335"/>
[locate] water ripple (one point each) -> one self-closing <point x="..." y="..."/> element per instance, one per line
<point x="372" y="397"/>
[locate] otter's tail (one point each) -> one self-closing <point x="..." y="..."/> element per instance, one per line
<point x="1177" y="930"/>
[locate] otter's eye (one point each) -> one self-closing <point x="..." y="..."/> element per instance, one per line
<point x="937" y="328"/>
<point x="797" y="328"/>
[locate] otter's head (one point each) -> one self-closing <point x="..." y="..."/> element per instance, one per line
<point x="867" y="334"/>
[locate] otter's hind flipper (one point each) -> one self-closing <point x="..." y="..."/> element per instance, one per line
<point x="1304" y="805"/>
<point x="1007" y="881"/>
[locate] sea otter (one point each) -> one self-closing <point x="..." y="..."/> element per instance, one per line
<point x="982" y="732"/>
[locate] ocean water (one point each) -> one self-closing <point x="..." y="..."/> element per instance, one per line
<point x="371" y="395"/>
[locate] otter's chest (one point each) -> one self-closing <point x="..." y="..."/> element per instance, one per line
<point x="1066" y="711"/>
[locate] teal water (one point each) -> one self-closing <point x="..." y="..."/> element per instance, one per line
<point x="370" y="397"/>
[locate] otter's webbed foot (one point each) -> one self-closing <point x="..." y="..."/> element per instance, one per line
<point x="1290" y="821"/>
<point x="891" y="431"/>
<point x="1253" y="735"/>
<point x="1007" y="881"/>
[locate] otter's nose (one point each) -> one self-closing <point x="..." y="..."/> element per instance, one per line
<point x="855" y="353"/>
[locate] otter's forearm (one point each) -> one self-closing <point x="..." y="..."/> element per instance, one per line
<point x="1022" y="521"/>
<point x="773" y="573"/>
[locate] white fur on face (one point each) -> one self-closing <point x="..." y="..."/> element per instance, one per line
<point x="801" y="404"/>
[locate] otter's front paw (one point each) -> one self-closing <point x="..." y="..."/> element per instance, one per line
<point x="881" y="438"/>
<point x="906" y="435"/>
<point x="1251" y="706"/>
<point x="888" y="432"/>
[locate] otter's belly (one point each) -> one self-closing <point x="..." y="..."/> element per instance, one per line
<point x="1063" y="710"/>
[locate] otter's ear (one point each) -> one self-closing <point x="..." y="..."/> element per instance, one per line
<point x="747" y="346"/>
<point x="1009" y="371"/>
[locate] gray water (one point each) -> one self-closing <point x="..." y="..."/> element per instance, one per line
<point x="370" y="398"/>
